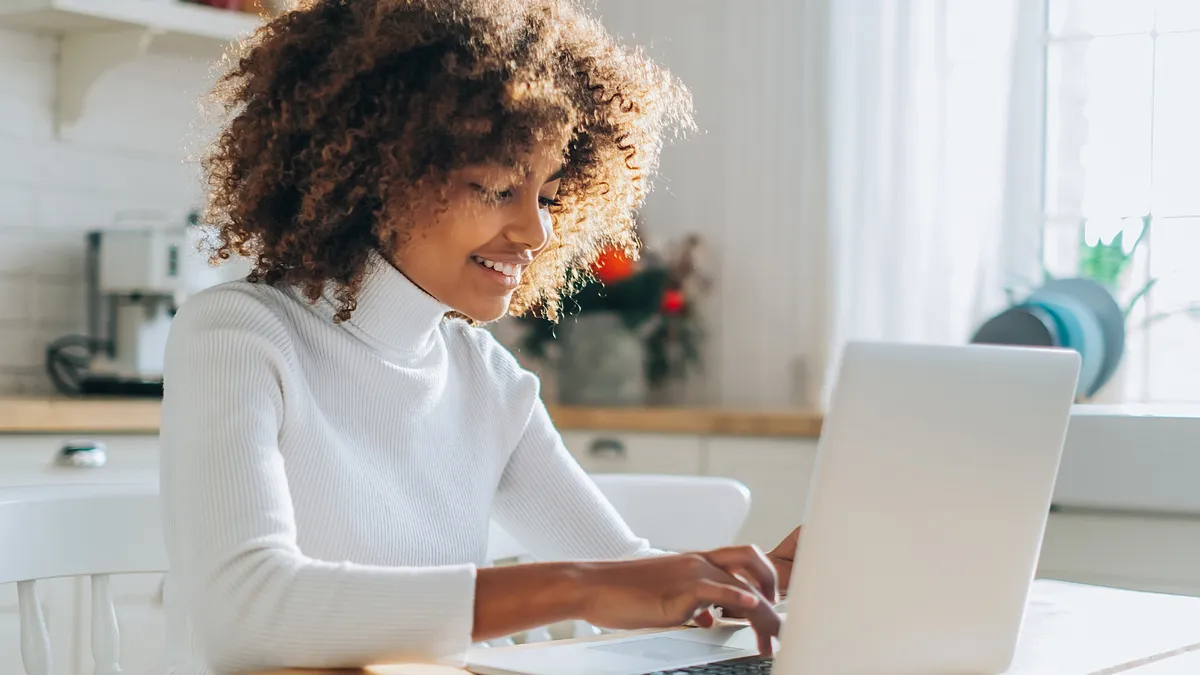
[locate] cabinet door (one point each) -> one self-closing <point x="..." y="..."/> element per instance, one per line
<point x="140" y="619"/>
<point x="1142" y="552"/>
<point x="28" y="459"/>
<point x="619" y="452"/>
<point x="58" y="607"/>
<point x="777" y="472"/>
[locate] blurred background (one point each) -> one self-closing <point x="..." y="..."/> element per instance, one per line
<point x="1015" y="171"/>
<point x="863" y="169"/>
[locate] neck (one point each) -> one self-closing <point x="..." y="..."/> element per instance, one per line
<point x="394" y="311"/>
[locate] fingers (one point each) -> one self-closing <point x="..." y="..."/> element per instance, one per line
<point x="766" y="624"/>
<point x="748" y="563"/>
<point x="733" y="593"/>
<point x="709" y="592"/>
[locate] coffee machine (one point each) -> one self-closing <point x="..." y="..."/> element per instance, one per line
<point x="137" y="278"/>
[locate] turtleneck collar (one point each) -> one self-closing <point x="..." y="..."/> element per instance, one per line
<point x="394" y="311"/>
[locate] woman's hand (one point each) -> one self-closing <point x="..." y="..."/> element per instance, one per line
<point x="782" y="557"/>
<point x="666" y="591"/>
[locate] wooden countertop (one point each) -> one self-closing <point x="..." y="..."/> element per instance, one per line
<point x="138" y="416"/>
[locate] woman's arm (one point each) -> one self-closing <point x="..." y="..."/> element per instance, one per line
<point x="255" y="600"/>
<point x="654" y="592"/>
<point x="548" y="502"/>
<point x="516" y="598"/>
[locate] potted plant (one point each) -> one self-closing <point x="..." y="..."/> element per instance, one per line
<point x="631" y="330"/>
<point x="1107" y="260"/>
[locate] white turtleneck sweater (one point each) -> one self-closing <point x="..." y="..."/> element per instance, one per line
<point x="328" y="487"/>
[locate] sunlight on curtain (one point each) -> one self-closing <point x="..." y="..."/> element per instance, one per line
<point x="927" y="220"/>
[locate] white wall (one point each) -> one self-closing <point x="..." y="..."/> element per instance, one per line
<point x="126" y="153"/>
<point x="738" y="182"/>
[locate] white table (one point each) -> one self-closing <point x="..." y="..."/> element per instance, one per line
<point x="1069" y="629"/>
<point x="1072" y="628"/>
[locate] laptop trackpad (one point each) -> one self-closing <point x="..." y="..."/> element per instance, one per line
<point x="668" y="649"/>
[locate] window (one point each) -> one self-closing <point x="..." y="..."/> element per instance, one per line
<point x="1122" y="176"/>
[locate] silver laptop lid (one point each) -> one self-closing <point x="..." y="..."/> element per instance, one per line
<point x="934" y="478"/>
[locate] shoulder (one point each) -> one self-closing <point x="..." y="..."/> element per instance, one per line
<point x="490" y="364"/>
<point x="233" y="310"/>
<point x="480" y="346"/>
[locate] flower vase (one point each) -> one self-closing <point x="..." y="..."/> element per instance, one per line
<point x="601" y="362"/>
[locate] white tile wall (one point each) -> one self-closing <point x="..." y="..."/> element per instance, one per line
<point x="125" y="154"/>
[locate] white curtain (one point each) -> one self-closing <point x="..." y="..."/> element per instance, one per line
<point x="932" y="139"/>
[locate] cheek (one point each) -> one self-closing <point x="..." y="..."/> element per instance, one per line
<point x="452" y="231"/>
<point x="471" y="229"/>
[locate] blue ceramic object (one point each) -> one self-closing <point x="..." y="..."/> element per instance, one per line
<point x="1024" y="325"/>
<point x="1076" y="314"/>
<point x="1080" y="330"/>
<point x="1102" y="305"/>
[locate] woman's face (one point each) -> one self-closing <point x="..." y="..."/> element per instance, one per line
<point x="471" y="253"/>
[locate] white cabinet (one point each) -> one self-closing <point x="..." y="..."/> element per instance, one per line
<point x="622" y="452"/>
<point x="29" y="459"/>
<point x="1143" y="552"/>
<point x="777" y="472"/>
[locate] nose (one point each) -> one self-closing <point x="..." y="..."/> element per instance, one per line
<point x="532" y="228"/>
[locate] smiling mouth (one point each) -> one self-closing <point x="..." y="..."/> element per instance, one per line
<point x="511" y="272"/>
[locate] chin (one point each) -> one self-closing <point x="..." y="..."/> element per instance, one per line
<point x="487" y="312"/>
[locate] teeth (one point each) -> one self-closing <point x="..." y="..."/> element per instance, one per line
<point x="507" y="269"/>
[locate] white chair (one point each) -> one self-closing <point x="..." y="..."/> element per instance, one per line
<point x="674" y="513"/>
<point x="75" y="530"/>
<point x="679" y="513"/>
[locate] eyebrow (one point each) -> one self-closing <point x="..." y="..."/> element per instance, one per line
<point x="557" y="174"/>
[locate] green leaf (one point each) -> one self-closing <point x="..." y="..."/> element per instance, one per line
<point x="1103" y="263"/>
<point x="1143" y="292"/>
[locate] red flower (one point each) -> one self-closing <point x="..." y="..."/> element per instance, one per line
<point x="673" y="301"/>
<point x="612" y="266"/>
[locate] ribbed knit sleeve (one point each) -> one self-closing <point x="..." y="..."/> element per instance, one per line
<point x="545" y="499"/>
<point x="550" y="504"/>
<point x="256" y="601"/>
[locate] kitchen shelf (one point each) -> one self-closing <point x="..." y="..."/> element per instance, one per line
<point x="166" y="16"/>
<point x="98" y="35"/>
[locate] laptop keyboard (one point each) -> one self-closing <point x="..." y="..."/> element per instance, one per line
<point x="738" y="667"/>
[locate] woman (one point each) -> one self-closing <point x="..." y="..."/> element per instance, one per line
<point x="337" y="432"/>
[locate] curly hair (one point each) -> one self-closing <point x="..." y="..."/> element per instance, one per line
<point x="342" y="116"/>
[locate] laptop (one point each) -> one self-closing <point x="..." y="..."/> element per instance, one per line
<point x="935" y="470"/>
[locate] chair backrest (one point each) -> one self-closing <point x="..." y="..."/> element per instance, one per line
<point x="679" y="513"/>
<point x="674" y="513"/>
<point x="93" y="530"/>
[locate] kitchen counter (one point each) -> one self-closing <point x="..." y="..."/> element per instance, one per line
<point x="137" y="416"/>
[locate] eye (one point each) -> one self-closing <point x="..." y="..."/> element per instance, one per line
<point x="547" y="202"/>
<point x="492" y="196"/>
